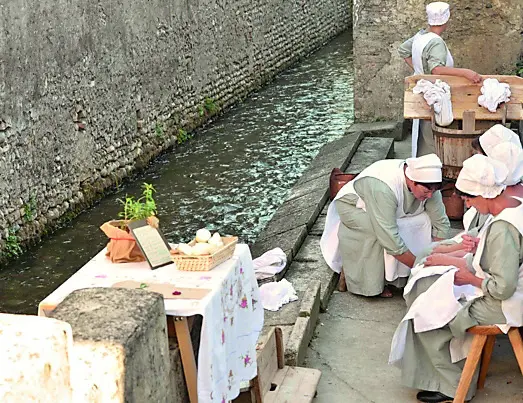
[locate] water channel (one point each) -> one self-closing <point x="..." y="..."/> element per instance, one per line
<point x="230" y="177"/>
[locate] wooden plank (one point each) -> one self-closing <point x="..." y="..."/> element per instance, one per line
<point x="294" y="385"/>
<point x="267" y="361"/>
<point x="464" y="97"/>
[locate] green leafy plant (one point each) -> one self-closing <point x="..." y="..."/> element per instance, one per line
<point x="182" y="136"/>
<point x="12" y="246"/>
<point x="158" y="129"/>
<point x="519" y="68"/>
<point x="30" y="209"/>
<point x="139" y="209"/>
<point x="210" y="105"/>
<point x="201" y="111"/>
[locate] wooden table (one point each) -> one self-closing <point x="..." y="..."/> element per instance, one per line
<point x="464" y="98"/>
<point x="236" y="272"/>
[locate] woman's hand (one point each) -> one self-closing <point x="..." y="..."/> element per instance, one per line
<point x="472" y="76"/>
<point x="470" y="243"/>
<point x="464" y="276"/>
<point x="440" y="259"/>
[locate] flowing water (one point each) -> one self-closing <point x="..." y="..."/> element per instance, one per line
<point x="231" y="177"/>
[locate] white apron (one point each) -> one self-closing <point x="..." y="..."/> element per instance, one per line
<point x="420" y="42"/>
<point x="415" y="229"/>
<point x="439" y="304"/>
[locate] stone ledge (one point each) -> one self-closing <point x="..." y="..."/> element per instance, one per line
<point x="389" y="129"/>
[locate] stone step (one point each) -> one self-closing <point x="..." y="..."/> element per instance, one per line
<point x="393" y="130"/>
<point x="370" y="150"/>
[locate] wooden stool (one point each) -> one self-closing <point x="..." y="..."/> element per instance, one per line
<point x="481" y="349"/>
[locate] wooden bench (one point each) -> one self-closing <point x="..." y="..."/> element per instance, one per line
<point x="481" y="350"/>
<point x="278" y="383"/>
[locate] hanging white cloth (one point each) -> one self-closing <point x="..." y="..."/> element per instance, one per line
<point x="414" y="229"/>
<point x="420" y="42"/>
<point x="438" y="96"/>
<point x="493" y="93"/>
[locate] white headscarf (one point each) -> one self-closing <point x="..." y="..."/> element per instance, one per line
<point x="482" y="176"/>
<point x="496" y="135"/>
<point x="425" y="169"/>
<point x="512" y="156"/>
<point x="438" y="13"/>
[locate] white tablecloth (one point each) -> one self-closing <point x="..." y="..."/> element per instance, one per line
<point x="232" y="314"/>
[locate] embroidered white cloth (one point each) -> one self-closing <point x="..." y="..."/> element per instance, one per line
<point x="438" y="95"/>
<point x="276" y="294"/>
<point x="232" y="313"/>
<point x="270" y="263"/>
<point x="493" y="93"/>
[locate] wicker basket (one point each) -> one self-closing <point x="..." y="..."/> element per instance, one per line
<point x="206" y="262"/>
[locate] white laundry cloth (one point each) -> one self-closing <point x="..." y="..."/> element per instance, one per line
<point x="437" y="95"/>
<point x="270" y="263"/>
<point x="494" y="93"/>
<point x="276" y="294"/>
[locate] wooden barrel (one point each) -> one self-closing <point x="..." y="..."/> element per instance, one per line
<point x="453" y="143"/>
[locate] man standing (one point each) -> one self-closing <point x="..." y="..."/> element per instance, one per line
<point x="379" y="222"/>
<point x="427" y="53"/>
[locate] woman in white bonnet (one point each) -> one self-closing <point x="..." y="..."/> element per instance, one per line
<point x="426" y="361"/>
<point x="427" y="53"/>
<point x="503" y="145"/>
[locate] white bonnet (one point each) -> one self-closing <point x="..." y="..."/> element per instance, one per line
<point x="482" y="176"/>
<point x="425" y="169"/>
<point x="512" y="156"/>
<point x="496" y="135"/>
<point x="438" y="13"/>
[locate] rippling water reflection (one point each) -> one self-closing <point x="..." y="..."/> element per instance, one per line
<point x="231" y="177"/>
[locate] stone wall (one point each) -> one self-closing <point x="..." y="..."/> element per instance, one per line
<point x="92" y="91"/>
<point x="484" y="36"/>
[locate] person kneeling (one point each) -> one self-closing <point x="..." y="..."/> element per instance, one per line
<point x="379" y="222"/>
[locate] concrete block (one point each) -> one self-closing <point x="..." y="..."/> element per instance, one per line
<point x="304" y="188"/>
<point x="35" y="359"/>
<point x="310" y="303"/>
<point x="288" y="241"/>
<point x="335" y="154"/>
<point x="301" y="274"/>
<point x="286" y="315"/>
<point x="310" y="250"/>
<point x="180" y="393"/>
<point x="390" y="129"/>
<point x="299" y="211"/>
<point x="296" y="347"/>
<point x="319" y="225"/>
<point x="120" y="347"/>
<point x="371" y="149"/>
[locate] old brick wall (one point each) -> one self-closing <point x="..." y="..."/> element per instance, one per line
<point x="482" y="35"/>
<point x="92" y="90"/>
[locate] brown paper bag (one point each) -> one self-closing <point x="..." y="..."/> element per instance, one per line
<point x="122" y="247"/>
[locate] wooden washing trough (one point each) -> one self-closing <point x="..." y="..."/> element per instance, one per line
<point x="454" y="143"/>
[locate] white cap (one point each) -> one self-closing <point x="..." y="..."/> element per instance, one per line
<point x="438" y="13"/>
<point x="512" y="156"/>
<point x="425" y="169"/>
<point x="482" y="176"/>
<point x="497" y="134"/>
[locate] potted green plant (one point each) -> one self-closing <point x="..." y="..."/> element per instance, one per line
<point x="122" y="246"/>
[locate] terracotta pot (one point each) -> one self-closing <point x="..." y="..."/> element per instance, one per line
<point x="454" y="206"/>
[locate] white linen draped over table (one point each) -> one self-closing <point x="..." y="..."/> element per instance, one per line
<point x="232" y="313"/>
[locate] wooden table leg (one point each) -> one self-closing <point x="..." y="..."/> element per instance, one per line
<point x="188" y="361"/>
